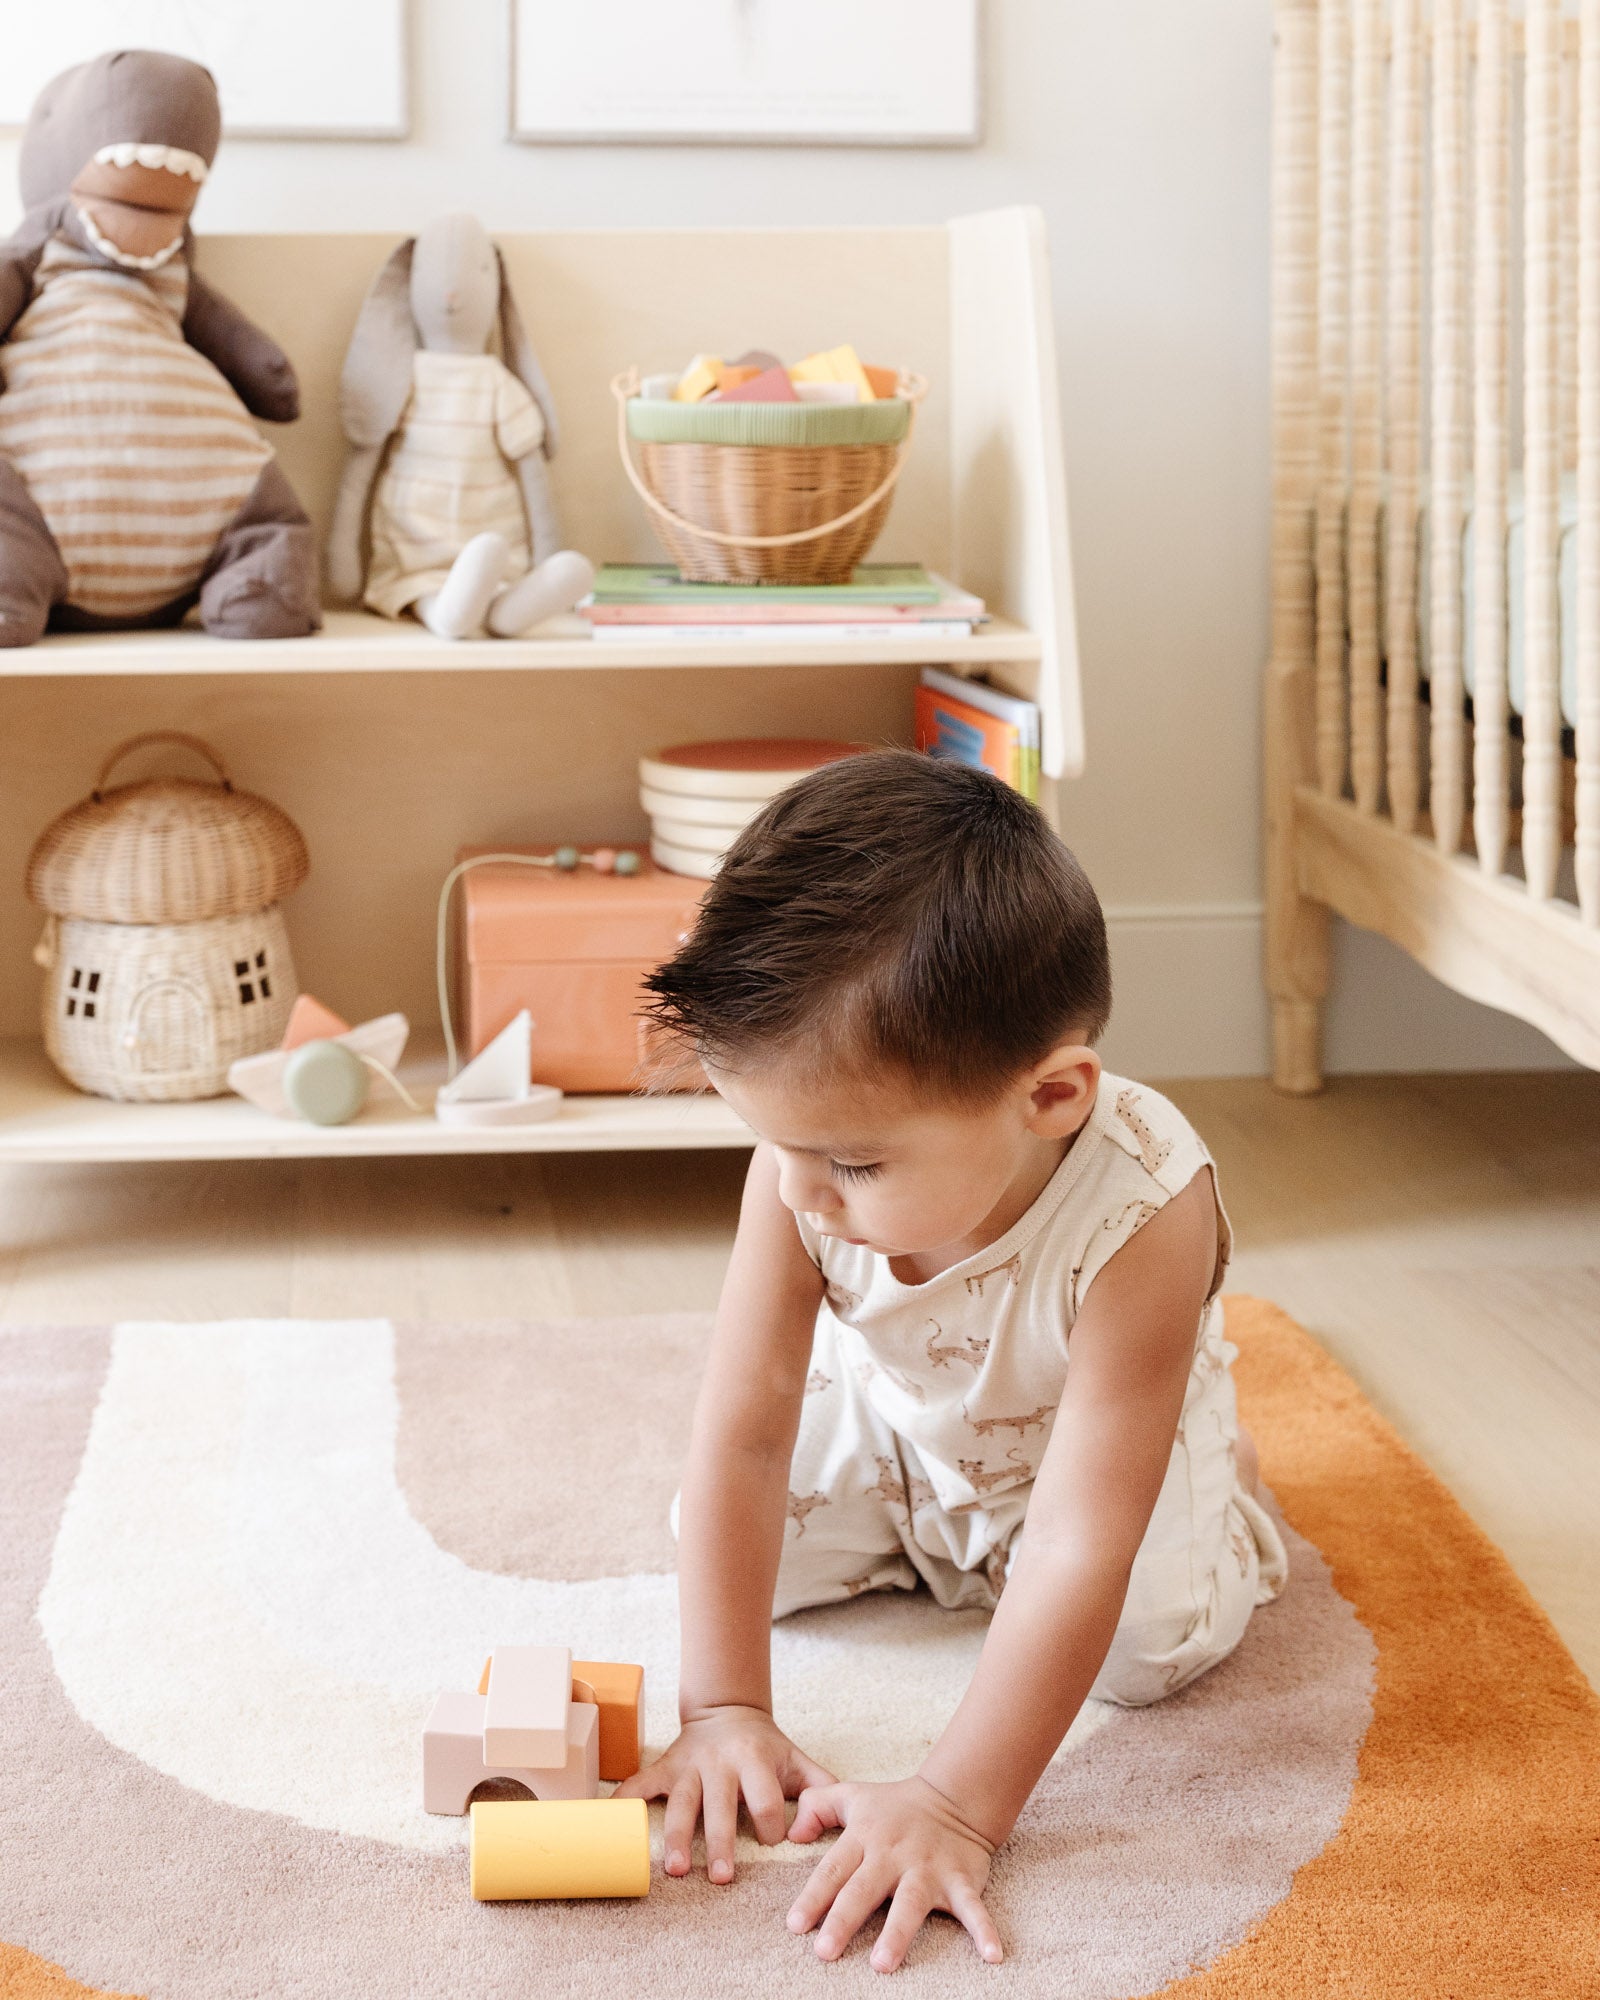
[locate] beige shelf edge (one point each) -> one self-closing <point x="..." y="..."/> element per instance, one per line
<point x="356" y="642"/>
<point x="44" y="1119"/>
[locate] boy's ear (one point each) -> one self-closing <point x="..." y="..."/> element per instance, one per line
<point x="1061" y="1090"/>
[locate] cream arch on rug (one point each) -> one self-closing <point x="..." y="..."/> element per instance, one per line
<point x="240" y="1597"/>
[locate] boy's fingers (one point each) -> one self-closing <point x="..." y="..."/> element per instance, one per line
<point x="824" y="1883"/>
<point x="683" y="1809"/>
<point x="970" y="1910"/>
<point x="649" y="1783"/>
<point x="906" y="1913"/>
<point x="854" y="1903"/>
<point x="819" y="1810"/>
<point x="803" y="1774"/>
<point x="720" y="1809"/>
<point x="763" y="1798"/>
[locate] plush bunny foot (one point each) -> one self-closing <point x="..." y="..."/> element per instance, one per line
<point x="556" y="585"/>
<point x="456" y="609"/>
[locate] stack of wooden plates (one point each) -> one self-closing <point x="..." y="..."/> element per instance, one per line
<point x="699" y="795"/>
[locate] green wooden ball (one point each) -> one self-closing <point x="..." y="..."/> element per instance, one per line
<point x="326" y="1083"/>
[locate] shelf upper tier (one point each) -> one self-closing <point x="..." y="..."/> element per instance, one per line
<point x="44" y="1118"/>
<point x="357" y="642"/>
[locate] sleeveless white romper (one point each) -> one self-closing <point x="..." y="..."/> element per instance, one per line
<point x="929" y="1407"/>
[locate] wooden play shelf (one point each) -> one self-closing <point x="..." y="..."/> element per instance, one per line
<point x="392" y="749"/>
<point x="44" y="1118"/>
<point x="357" y="642"/>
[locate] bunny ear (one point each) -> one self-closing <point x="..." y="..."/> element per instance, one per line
<point x="377" y="364"/>
<point x="521" y="359"/>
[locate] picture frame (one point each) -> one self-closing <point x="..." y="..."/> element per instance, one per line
<point x="285" y="69"/>
<point x="747" y="72"/>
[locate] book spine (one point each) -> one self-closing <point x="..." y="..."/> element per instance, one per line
<point x="955" y="730"/>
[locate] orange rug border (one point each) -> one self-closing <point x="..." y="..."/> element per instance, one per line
<point x="1481" y="1718"/>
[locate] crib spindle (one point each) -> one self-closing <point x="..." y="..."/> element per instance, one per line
<point x="1567" y="259"/>
<point x="1491" y="223"/>
<point x="1588" y="662"/>
<point x="1333" y="360"/>
<point x="1402" y="361"/>
<point x="1446" y="507"/>
<point x="1366" y="400"/>
<point x="1541" y="456"/>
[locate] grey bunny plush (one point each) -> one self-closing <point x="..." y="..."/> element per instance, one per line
<point x="463" y="527"/>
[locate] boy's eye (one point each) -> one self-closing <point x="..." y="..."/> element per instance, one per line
<point x="847" y="1173"/>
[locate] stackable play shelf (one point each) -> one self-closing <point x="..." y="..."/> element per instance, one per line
<point x="391" y="748"/>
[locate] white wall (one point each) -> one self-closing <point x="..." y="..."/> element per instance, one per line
<point x="1141" y="130"/>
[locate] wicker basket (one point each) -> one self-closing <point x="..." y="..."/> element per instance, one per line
<point x="165" y="952"/>
<point x="773" y="511"/>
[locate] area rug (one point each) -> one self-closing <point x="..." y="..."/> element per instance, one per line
<point x="238" y="1560"/>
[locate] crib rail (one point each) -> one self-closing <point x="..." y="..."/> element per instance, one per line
<point x="1435" y="422"/>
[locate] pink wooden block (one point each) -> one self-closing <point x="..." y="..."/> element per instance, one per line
<point x="453" y="1763"/>
<point x="525" y="1717"/>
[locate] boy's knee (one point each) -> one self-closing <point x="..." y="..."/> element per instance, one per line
<point x="1153" y="1657"/>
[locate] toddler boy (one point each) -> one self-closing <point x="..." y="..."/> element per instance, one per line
<point x="970" y="1334"/>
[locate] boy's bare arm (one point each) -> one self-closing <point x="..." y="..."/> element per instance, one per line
<point x="733" y="1508"/>
<point x="1132" y="1349"/>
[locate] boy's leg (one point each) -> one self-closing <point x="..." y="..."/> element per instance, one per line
<point x="1210" y="1556"/>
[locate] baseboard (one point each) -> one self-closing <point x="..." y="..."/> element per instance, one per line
<point x="1189" y="1001"/>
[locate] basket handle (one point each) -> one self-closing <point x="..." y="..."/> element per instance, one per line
<point x="625" y="385"/>
<point x="163" y="736"/>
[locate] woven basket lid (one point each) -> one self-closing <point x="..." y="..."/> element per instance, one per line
<point x="166" y="850"/>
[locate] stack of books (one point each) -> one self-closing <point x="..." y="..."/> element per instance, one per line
<point x="651" y="604"/>
<point x="969" y="722"/>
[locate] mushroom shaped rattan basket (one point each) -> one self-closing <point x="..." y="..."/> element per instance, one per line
<point x="165" y="952"/>
<point x="766" y="492"/>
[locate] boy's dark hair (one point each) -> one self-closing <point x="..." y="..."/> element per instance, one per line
<point x="891" y="910"/>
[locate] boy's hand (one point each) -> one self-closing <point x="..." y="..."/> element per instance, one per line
<point x="717" y="1757"/>
<point x="904" y="1841"/>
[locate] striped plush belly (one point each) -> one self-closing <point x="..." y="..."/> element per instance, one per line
<point x="135" y="448"/>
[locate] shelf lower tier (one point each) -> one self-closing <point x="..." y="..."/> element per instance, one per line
<point x="43" y="1118"/>
<point x="359" y="642"/>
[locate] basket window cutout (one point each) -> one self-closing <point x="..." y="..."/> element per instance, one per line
<point x="81" y="988"/>
<point x="252" y="979"/>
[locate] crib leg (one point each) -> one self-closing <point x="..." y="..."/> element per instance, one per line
<point x="1297" y="929"/>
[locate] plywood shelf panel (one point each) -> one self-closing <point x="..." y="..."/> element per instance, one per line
<point x="43" y="1118"/>
<point x="358" y="642"/>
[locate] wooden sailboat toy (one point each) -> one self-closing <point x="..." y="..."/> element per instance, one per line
<point x="324" y="1068"/>
<point x="496" y="1087"/>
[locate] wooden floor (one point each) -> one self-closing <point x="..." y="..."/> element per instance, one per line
<point x="1440" y="1234"/>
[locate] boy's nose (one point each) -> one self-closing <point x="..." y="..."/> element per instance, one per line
<point x="805" y="1191"/>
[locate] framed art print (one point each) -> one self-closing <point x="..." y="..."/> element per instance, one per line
<point x="746" y="72"/>
<point x="285" y="69"/>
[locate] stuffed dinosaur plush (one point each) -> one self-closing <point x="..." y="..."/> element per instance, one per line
<point x="448" y="449"/>
<point x="133" y="483"/>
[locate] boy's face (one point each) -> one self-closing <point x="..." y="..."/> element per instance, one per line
<point x="903" y="1174"/>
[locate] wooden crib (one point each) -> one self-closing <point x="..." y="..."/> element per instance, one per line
<point x="1433" y="698"/>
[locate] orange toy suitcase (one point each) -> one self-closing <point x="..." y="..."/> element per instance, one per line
<point x="573" y="949"/>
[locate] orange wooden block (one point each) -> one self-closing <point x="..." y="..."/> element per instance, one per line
<point x="885" y="381"/>
<point x="619" y="1695"/>
<point x="732" y="375"/>
<point x="617" y="1691"/>
<point x="310" y="1021"/>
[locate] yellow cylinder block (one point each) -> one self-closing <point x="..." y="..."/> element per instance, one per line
<point x="524" y="1849"/>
